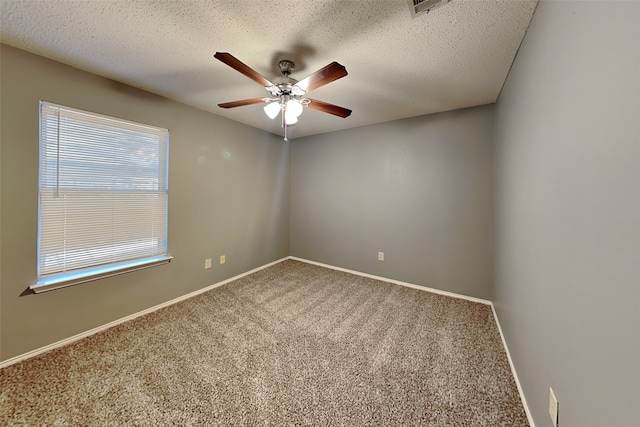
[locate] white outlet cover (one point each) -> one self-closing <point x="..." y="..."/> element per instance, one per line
<point x="553" y="407"/>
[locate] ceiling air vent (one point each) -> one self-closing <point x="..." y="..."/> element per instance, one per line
<point x="418" y="7"/>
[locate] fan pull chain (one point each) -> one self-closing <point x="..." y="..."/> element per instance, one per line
<point x="284" y="122"/>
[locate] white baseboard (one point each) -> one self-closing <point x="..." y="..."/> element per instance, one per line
<point x="396" y="282"/>
<point x="513" y="369"/>
<point x="93" y="331"/>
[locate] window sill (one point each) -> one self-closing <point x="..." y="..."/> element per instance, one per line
<point x="63" y="280"/>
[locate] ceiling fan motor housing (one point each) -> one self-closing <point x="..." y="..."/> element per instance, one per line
<point x="285" y="85"/>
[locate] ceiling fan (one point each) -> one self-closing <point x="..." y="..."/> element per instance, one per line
<point x="288" y="96"/>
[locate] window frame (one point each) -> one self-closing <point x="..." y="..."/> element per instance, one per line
<point x="118" y="264"/>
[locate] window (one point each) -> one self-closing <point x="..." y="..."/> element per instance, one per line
<point x="103" y="193"/>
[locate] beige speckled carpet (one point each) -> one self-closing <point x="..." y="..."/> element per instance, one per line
<point x="293" y="344"/>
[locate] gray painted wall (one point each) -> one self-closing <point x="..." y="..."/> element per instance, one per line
<point x="228" y="194"/>
<point x="568" y="212"/>
<point x="419" y="190"/>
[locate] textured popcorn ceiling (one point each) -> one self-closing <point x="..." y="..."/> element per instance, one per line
<point x="456" y="56"/>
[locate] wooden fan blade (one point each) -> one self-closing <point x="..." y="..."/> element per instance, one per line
<point x="240" y="66"/>
<point x="325" y="107"/>
<point x="331" y="72"/>
<point x="241" y="103"/>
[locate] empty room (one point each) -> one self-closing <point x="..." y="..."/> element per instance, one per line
<point x="391" y="212"/>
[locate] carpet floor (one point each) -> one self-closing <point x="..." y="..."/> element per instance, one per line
<point x="292" y="344"/>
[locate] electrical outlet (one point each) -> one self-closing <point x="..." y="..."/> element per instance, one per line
<point x="223" y="259"/>
<point x="380" y="256"/>
<point x="207" y="263"/>
<point x="553" y="407"/>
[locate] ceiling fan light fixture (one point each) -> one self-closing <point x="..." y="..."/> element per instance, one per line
<point x="294" y="107"/>
<point x="290" y="117"/>
<point x="272" y="109"/>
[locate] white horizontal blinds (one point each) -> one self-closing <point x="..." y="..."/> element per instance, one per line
<point x="103" y="190"/>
